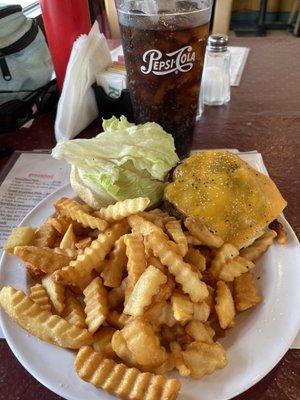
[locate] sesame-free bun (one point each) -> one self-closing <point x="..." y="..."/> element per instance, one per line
<point x="89" y="193"/>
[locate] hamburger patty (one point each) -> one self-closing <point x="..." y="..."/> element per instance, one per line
<point x="232" y="199"/>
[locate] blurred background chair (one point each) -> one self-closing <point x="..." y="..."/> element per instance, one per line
<point x="293" y="17"/>
<point x="261" y="17"/>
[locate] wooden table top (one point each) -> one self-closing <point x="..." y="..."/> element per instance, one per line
<point x="263" y="115"/>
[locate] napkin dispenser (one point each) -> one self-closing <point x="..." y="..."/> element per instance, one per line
<point x="108" y="106"/>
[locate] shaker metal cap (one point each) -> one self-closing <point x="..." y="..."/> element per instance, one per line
<point x="217" y="43"/>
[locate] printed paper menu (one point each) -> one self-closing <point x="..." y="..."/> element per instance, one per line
<point x="32" y="178"/>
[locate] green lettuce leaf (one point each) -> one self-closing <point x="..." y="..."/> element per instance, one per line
<point x="115" y="124"/>
<point x="125" y="160"/>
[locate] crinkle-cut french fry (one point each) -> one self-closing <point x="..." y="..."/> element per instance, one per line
<point x="194" y="257"/>
<point x="172" y="334"/>
<point x="167" y="366"/>
<point x="85" y="281"/>
<point x="234" y="268"/>
<point x="123" y="209"/>
<point x="136" y="265"/>
<point x="56" y="293"/>
<point x="245" y="293"/>
<point x="179" y="363"/>
<point x="41" y="323"/>
<point x="96" y="308"/>
<point x="175" y="232"/>
<point x="259" y="247"/>
<point x="46" y="236"/>
<point x="154" y="216"/>
<point x="117" y="320"/>
<point x="115" y="265"/>
<point x="120" y="348"/>
<point x="175" y="247"/>
<point x="59" y="206"/>
<point x="115" y="297"/>
<point x="224" y="305"/>
<point x="184" y="310"/>
<point x="69" y="239"/>
<point x="224" y="254"/>
<point x="210" y="300"/>
<point x="72" y="253"/>
<point x="19" y="236"/>
<point x="182" y="307"/>
<point x="74" y="210"/>
<point x="73" y="311"/>
<point x="44" y="259"/>
<point x="182" y="271"/>
<point x="102" y="342"/>
<point x="201" y="311"/>
<point x="185" y="340"/>
<point x="199" y="274"/>
<point x="192" y="240"/>
<point x="122" y="381"/>
<point x="166" y="290"/>
<point x="277" y="227"/>
<point x="33" y="273"/>
<point x="39" y="295"/>
<point x="57" y="244"/>
<point x="199" y="331"/>
<point x="155" y="261"/>
<point x="160" y="222"/>
<point x="143" y="344"/>
<point x="61" y="223"/>
<point x="204" y="358"/>
<point x="201" y="232"/>
<point x="146" y="287"/>
<point x="227" y="264"/>
<point x="92" y="256"/>
<point x="160" y="314"/>
<point x="141" y="226"/>
<point x="83" y="243"/>
<point x="159" y="212"/>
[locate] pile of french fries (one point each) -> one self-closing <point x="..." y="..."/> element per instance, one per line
<point x="139" y="293"/>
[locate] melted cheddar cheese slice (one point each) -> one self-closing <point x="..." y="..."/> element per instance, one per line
<point x="234" y="200"/>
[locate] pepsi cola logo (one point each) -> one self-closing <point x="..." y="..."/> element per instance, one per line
<point x="181" y="60"/>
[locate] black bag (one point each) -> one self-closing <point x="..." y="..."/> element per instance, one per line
<point x="25" y="69"/>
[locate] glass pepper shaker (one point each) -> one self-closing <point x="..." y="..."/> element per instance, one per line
<point x="215" y="85"/>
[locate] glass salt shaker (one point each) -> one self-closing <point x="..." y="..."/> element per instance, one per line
<point x="215" y="87"/>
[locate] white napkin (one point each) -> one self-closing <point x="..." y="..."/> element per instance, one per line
<point x="77" y="106"/>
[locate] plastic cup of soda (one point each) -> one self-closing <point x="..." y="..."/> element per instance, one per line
<point x="164" y="45"/>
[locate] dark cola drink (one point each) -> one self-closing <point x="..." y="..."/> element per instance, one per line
<point x="164" y="52"/>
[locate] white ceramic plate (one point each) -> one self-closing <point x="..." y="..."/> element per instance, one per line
<point x="254" y="346"/>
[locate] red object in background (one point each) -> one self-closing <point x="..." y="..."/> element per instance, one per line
<point x="64" y="21"/>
